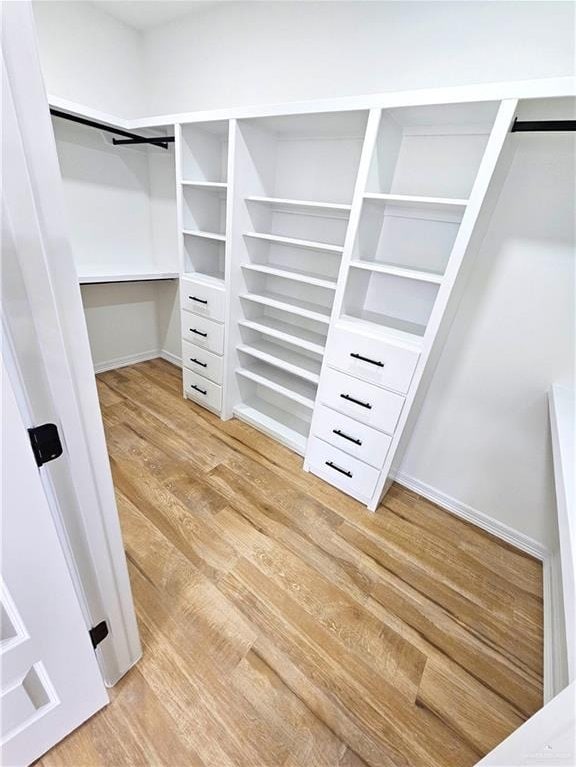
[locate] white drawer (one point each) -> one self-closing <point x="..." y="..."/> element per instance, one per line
<point x="203" y="332"/>
<point x="203" y="362"/>
<point x="372" y="359"/>
<point x="363" y="401"/>
<point x="341" y="470"/>
<point x="352" y="437"/>
<point x="202" y="299"/>
<point x="202" y="390"/>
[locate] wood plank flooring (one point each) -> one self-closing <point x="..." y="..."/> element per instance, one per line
<point x="284" y="625"/>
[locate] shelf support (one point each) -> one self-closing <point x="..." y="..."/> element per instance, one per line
<point x="129" y="138"/>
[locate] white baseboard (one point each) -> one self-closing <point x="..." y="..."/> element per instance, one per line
<point x="169" y="357"/>
<point x="478" y="518"/>
<point x="132" y="359"/>
<point x="129" y="359"/>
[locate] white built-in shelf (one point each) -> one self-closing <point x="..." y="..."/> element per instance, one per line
<point x="205" y="235"/>
<point x="218" y="185"/>
<point x="291" y="361"/>
<point x="88" y="278"/>
<point x="296" y="243"/>
<point x="284" y="202"/>
<point x="279" y="424"/>
<point x="398" y="271"/>
<point x="292" y="274"/>
<point x="295" y="306"/>
<point x="287" y="332"/>
<point x="388" y="328"/>
<point x="280" y="382"/>
<point x="410" y="199"/>
<point x="205" y="279"/>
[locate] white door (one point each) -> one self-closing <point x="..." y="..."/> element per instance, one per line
<point x="50" y="680"/>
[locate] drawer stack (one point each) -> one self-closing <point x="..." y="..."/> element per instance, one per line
<point x="360" y="398"/>
<point x="202" y="315"/>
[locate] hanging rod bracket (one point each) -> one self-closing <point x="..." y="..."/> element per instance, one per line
<point x="524" y="126"/>
<point x="131" y="138"/>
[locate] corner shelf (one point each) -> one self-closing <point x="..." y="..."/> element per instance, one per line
<point x="283" y="358"/>
<point x="91" y="278"/>
<point x="205" y="235"/>
<point x="287" y="428"/>
<point x="277" y="381"/>
<point x="291" y="274"/>
<point x="296" y="243"/>
<point x="398" y="271"/>
<point x="284" y="331"/>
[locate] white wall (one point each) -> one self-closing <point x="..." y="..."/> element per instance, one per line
<point x="240" y="53"/>
<point x="483" y="435"/>
<point x="89" y="57"/>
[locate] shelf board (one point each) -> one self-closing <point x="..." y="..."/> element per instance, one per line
<point x="410" y="199"/>
<point x="387" y="328"/>
<point x="99" y="277"/>
<point x="205" y="235"/>
<point x="285" y="331"/>
<point x="219" y="185"/>
<point x="285" y="359"/>
<point x="398" y="271"/>
<point x="296" y="243"/>
<point x="292" y="274"/>
<point x="285" y="202"/>
<point x="295" y="306"/>
<point x="278" y="382"/>
<point x="285" y="427"/>
<point x="206" y="279"/>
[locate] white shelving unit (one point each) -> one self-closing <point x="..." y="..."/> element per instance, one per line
<point x="292" y="197"/>
<point x="202" y="196"/>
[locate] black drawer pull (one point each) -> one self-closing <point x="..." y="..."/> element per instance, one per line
<point x="367" y="359"/>
<point x="199" y="300"/>
<point x="197" y="362"/>
<point x="346" y="436"/>
<point x="202" y="391"/>
<point x="357" y="401"/>
<point x="198" y="332"/>
<point x="337" y="468"/>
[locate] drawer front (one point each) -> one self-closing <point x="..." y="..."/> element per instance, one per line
<point x="205" y="300"/>
<point x="373" y="360"/>
<point x="363" y="401"/>
<point x="202" y="332"/>
<point x="202" y="390"/>
<point x="352" y="437"/>
<point x="341" y="470"/>
<point x="203" y="362"/>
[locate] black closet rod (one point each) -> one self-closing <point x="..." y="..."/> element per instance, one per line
<point x="129" y="138"/>
<point x="523" y="126"/>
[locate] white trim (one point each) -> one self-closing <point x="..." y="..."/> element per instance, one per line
<point x="520" y="89"/>
<point x="132" y="359"/>
<point x="174" y="359"/>
<point x="555" y="648"/>
<point x="478" y="518"/>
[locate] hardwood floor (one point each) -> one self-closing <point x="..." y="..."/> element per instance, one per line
<point x="284" y="625"/>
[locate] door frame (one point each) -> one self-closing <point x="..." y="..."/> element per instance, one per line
<point x="53" y="292"/>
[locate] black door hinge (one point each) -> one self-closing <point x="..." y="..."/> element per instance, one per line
<point x="45" y="442"/>
<point x="98" y="633"/>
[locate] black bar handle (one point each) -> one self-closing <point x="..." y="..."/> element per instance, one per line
<point x="197" y="362"/>
<point x="367" y="359"/>
<point x="198" y="332"/>
<point x="202" y="391"/>
<point x="367" y="405"/>
<point x="198" y="300"/>
<point x="337" y="468"/>
<point x="346" y="436"/>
